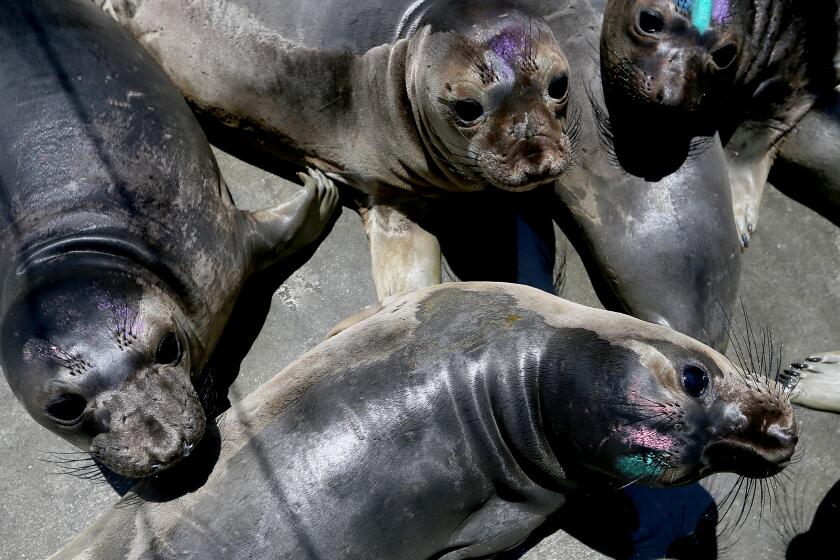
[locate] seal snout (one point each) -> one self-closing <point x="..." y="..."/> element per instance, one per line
<point x="761" y="443"/>
<point x="152" y="424"/>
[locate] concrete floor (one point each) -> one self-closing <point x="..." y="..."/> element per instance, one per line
<point x="791" y="282"/>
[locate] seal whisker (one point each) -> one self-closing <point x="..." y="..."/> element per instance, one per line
<point x="603" y="126"/>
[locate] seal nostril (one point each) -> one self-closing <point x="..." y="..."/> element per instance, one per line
<point x="785" y="437"/>
<point x="725" y="56"/>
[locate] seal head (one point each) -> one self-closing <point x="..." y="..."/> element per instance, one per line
<point x="668" y="69"/>
<point x="104" y="360"/>
<point x="678" y="56"/>
<point x="495" y="111"/>
<point x="676" y="413"/>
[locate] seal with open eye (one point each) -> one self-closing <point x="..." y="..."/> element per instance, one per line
<point x="448" y="425"/>
<point x="121" y="253"/>
<point x="751" y="69"/>
<point x="404" y="100"/>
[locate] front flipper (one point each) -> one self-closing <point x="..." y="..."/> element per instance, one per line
<point x="749" y="166"/>
<point x="751" y="151"/>
<point x="276" y="233"/>
<point x="497" y="526"/>
<point x="404" y="256"/>
<point x="815" y="383"/>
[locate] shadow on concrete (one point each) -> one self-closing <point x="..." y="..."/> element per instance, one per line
<point x="497" y="236"/>
<point x="636" y="523"/>
<point x="822" y="536"/>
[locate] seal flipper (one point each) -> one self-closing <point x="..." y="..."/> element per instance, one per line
<point x="749" y="156"/>
<point x="275" y="233"/>
<point x="497" y="525"/>
<point x="751" y="150"/>
<point x="815" y="382"/>
<point x="404" y="256"/>
<point x="807" y="167"/>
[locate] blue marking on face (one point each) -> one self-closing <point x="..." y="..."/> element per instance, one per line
<point x="703" y="12"/>
<point x="701" y="15"/>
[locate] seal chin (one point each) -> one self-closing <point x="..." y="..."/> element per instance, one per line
<point x="747" y="459"/>
<point x="157" y="454"/>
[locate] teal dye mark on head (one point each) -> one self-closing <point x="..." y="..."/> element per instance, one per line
<point x="701" y="14"/>
<point x="702" y="11"/>
<point x="638" y="466"/>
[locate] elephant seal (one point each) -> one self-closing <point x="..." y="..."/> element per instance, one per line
<point x="629" y="231"/>
<point x="449" y="424"/>
<point x="122" y="253"/>
<point x="751" y="69"/>
<point x="664" y="250"/>
<point x="404" y="100"/>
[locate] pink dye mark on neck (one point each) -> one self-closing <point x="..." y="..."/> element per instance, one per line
<point x="649" y="438"/>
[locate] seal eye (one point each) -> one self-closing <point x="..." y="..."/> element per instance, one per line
<point x="651" y="22"/>
<point x="67" y="409"/>
<point x="725" y="55"/>
<point x="695" y="380"/>
<point x="558" y="87"/>
<point x="168" y="350"/>
<point x="468" y="110"/>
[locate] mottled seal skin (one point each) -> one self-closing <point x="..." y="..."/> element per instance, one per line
<point x="449" y="425"/>
<point x="403" y="100"/>
<point x="749" y="68"/>
<point x="122" y="253"/>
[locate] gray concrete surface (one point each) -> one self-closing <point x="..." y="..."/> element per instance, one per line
<point x="791" y="282"/>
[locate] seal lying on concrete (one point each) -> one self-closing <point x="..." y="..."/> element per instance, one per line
<point x="630" y="231"/>
<point x="449" y="425"/>
<point x="122" y="253"/>
<point x="753" y="70"/>
<point x="403" y="100"/>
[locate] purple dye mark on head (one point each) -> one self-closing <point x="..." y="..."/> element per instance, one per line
<point x="649" y="438"/>
<point x="126" y="320"/>
<point x="509" y="44"/>
<point x="720" y="11"/>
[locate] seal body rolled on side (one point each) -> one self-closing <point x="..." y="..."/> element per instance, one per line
<point x="449" y="424"/>
<point x="404" y="100"/>
<point x="121" y="253"/>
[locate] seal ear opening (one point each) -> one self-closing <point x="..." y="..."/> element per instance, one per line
<point x="67" y="410"/>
